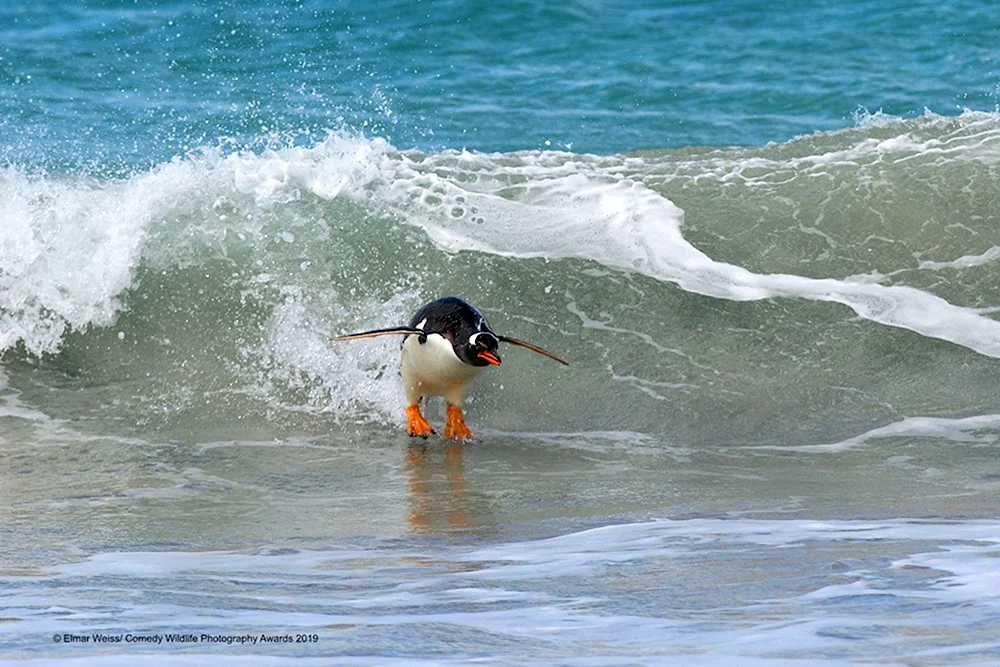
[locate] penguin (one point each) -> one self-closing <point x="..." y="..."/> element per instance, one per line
<point x="446" y="346"/>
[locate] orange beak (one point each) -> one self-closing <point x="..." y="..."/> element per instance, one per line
<point x="489" y="357"/>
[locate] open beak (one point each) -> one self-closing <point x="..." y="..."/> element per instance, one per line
<point x="489" y="357"/>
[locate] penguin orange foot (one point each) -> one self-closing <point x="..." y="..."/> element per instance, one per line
<point x="416" y="425"/>
<point x="456" y="428"/>
<point x="447" y="345"/>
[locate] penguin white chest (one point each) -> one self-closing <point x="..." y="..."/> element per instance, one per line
<point x="432" y="368"/>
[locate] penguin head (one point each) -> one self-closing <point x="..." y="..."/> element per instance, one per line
<point x="479" y="348"/>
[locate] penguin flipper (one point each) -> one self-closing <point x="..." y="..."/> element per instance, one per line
<point x="533" y="348"/>
<point x="381" y="332"/>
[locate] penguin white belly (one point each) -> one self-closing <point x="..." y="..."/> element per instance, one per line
<point x="432" y="369"/>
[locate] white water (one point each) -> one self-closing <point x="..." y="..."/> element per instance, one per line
<point x="780" y="592"/>
<point x="525" y="205"/>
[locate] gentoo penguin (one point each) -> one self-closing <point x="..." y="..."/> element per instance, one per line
<point x="447" y="344"/>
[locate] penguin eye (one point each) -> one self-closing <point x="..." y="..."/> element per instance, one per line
<point x="480" y="339"/>
<point x="483" y="339"/>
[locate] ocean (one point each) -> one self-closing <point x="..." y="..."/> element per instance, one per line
<point x="763" y="234"/>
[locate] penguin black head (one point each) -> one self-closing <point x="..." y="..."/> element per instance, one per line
<point x="479" y="349"/>
<point x="463" y="326"/>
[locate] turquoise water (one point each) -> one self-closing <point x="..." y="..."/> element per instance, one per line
<point x="97" y="84"/>
<point x="763" y="235"/>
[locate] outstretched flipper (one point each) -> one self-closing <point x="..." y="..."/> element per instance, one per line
<point x="533" y="348"/>
<point x="407" y="331"/>
<point x="382" y="332"/>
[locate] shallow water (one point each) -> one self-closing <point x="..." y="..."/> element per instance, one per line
<point x="587" y="548"/>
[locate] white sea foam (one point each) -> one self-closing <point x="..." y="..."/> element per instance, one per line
<point x="862" y="591"/>
<point x="966" y="429"/>
<point x="965" y="261"/>
<point x="621" y="223"/>
<point x="70" y="247"/>
<point x="663" y="537"/>
<point x="972" y="544"/>
<point x="67" y="251"/>
<point x="356" y="378"/>
<point x="561" y="208"/>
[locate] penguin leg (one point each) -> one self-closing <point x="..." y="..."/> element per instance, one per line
<point x="456" y="428"/>
<point x="416" y="425"/>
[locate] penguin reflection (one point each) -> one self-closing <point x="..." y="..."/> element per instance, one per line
<point x="430" y="504"/>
